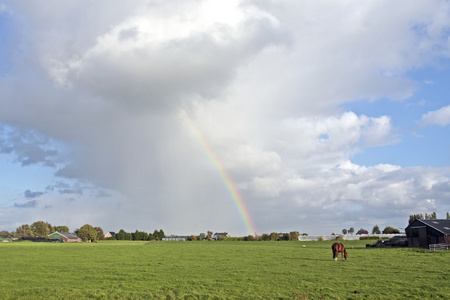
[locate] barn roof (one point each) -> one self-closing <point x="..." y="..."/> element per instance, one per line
<point x="221" y="233"/>
<point x="68" y="235"/>
<point x="441" y="225"/>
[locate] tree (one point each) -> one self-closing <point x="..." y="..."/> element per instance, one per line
<point x="351" y="230"/>
<point x="431" y="216"/>
<point x="427" y="216"/>
<point x="6" y="233"/>
<point x="156" y="235"/>
<point x="87" y="233"/>
<point x="376" y="230"/>
<point x="283" y="236"/>
<point x="448" y="215"/>
<point x="100" y="234"/>
<point x="122" y="235"/>
<point x="344" y="231"/>
<point x="249" y="238"/>
<point x="202" y="236"/>
<point x="293" y="235"/>
<point x="41" y="229"/>
<point x="24" y="231"/>
<point x="140" y="236"/>
<point x="390" y="230"/>
<point x="265" y="237"/>
<point x="412" y="218"/>
<point x="60" y="228"/>
<point x="209" y="235"/>
<point x="362" y="231"/>
<point x="274" y="236"/>
<point x="192" y="238"/>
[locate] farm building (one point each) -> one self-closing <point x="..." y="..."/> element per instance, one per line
<point x="220" y="235"/>
<point x="110" y="234"/>
<point x="174" y="238"/>
<point x="422" y="233"/>
<point x="67" y="237"/>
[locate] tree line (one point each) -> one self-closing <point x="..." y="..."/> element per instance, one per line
<point x="87" y="232"/>
<point x="274" y="236"/>
<point x="122" y="235"/>
<point x="425" y="216"/>
<point x="392" y="230"/>
<point x="41" y="229"/>
<point x="158" y="235"/>
<point x="375" y="230"/>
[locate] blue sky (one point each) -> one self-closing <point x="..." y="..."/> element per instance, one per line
<point x="326" y="115"/>
<point x="420" y="145"/>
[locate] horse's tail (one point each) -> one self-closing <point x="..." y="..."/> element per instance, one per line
<point x="335" y="252"/>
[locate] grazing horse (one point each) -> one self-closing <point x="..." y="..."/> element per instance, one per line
<point x="338" y="247"/>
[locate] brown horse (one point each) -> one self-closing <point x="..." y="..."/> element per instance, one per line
<point x="338" y="247"/>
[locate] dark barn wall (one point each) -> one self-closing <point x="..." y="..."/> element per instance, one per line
<point x="421" y="235"/>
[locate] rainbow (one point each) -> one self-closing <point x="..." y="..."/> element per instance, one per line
<point x="226" y="178"/>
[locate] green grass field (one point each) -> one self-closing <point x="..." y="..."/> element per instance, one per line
<point x="219" y="270"/>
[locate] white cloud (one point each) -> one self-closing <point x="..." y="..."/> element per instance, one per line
<point x="262" y="81"/>
<point x="437" y="117"/>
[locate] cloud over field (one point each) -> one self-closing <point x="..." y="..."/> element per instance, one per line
<point x="103" y="97"/>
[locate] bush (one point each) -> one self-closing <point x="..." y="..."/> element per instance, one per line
<point x="362" y="231"/>
<point x="390" y="230"/>
<point x="370" y="237"/>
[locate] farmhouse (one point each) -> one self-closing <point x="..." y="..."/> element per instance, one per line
<point x="422" y="233"/>
<point x="220" y="235"/>
<point x="67" y="237"/>
<point x="110" y="234"/>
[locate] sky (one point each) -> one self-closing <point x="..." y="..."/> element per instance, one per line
<point x="245" y="117"/>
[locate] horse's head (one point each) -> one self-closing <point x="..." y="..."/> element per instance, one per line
<point x="345" y="254"/>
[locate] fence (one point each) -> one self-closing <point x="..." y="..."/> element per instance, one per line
<point x="346" y="237"/>
<point x="38" y="239"/>
<point x="174" y="238"/>
<point x="434" y="247"/>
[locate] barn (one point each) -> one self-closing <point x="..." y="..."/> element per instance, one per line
<point x="67" y="237"/>
<point x="422" y="233"/>
<point x="220" y="235"/>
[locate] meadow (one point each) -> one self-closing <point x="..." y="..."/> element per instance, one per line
<point x="219" y="270"/>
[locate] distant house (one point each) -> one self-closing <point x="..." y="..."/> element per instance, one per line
<point x="67" y="237"/>
<point x="110" y="234"/>
<point x="220" y="235"/>
<point x="174" y="238"/>
<point x="422" y="233"/>
<point x="4" y="238"/>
